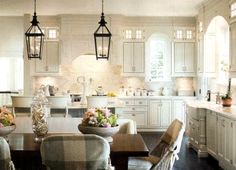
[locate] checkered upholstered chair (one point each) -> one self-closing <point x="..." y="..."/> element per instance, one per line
<point x="75" y="152"/>
<point x="163" y="156"/>
<point x="5" y="156"/>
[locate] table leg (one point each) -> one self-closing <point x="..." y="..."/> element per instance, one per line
<point x="119" y="162"/>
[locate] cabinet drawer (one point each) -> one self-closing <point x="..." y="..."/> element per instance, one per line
<point x="138" y="117"/>
<point x="135" y="109"/>
<point x="128" y="102"/>
<point x="140" y="102"/>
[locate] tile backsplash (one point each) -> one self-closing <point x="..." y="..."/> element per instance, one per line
<point x="102" y="73"/>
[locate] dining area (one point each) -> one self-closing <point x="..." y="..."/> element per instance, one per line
<point x="67" y="148"/>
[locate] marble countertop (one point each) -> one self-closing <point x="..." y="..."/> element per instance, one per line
<point x="156" y="97"/>
<point x="229" y="112"/>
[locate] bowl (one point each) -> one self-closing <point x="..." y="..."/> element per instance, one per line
<point x="4" y="131"/>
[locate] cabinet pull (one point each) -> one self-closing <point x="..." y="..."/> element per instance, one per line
<point x="140" y="102"/>
<point x="133" y="114"/>
<point x="126" y="102"/>
<point x="133" y="108"/>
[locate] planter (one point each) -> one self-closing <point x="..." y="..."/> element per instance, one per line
<point x="100" y="131"/>
<point x="4" y="131"/>
<point x="227" y="102"/>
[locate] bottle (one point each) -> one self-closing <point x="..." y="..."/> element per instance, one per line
<point x="208" y="95"/>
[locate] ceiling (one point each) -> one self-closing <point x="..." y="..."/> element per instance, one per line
<point x="124" y="7"/>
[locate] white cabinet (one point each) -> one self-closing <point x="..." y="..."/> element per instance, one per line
<point x="160" y="113"/>
<point x="224" y="133"/>
<point x="135" y="109"/>
<point x="133" y="58"/>
<point x="211" y="130"/>
<point x="50" y="58"/>
<point x="183" y="59"/>
<point x="196" y="119"/>
<point x="184" y="33"/>
<point x="178" y="109"/>
<point x="232" y="64"/>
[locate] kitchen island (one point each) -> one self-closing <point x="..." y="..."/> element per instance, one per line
<point x="212" y="130"/>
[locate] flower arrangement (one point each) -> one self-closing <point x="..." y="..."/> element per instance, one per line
<point x="6" y="117"/>
<point x="99" y="117"/>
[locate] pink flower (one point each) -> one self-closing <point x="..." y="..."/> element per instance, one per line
<point x="107" y="125"/>
<point x="1" y="125"/>
<point x="106" y="112"/>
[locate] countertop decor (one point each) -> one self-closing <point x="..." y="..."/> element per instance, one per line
<point x="7" y="122"/>
<point x="99" y="121"/>
<point x="227" y="99"/>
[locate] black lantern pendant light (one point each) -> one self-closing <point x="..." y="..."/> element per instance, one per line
<point x="34" y="38"/>
<point x="102" y="38"/>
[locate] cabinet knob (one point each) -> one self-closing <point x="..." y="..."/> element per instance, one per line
<point x="133" y="108"/>
<point x="133" y="114"/>
<point x="126" y="102"/>
<point x="140" y="102"/>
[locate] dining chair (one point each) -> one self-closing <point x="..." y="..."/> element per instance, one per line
<point x="21" y="105"/>
<point x="72" y="152"/>
<point x="58" y="106"/>
<point x="5" y="156"/>
<point x="163" y="156"/>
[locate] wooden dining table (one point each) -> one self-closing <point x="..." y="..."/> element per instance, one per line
<point x="25" y="152"/>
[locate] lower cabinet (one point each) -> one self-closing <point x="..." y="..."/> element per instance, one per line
<point x="225" y="136"/>
<point x="220" y="135"/>
<point x="211" y="130"/>
<point x="135" y="109"/>
<point x="178" y="109"/>
<point x="159" y="113"/>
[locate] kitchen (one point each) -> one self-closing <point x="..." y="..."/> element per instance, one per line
<point x="175" y="42"/>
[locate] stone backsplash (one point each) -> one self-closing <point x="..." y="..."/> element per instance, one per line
<point x="102" y="73"/>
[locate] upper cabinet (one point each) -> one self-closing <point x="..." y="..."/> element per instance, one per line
<point x="133" y="61"/>
<point x="183" y="52"/>
<point x="133" y="52"/>
<point x="49" y="64"/>
<point x="184" y="59"/>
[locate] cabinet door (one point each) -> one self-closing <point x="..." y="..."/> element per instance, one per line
<point x="128" y="58"/>
<point x="155" y="113"/>
<point x="189" y="52"/>
<point x="211" y="122"/>
<point x="224" y="139"/>
<point x="178" y="57"/>
<point x="165" y="113"/>
<point x="50" y="58"/>
<point x="179" y="110"/>
<point x="233" y="144"/>
<point x="233" y="48"/>
<point x="138" y="57"/>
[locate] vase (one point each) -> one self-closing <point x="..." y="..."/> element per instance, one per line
<point x="106" y="132"/>
<point x="40" y="110"/>
<point x="227" y="102"/>
<point x="4" y="131"/>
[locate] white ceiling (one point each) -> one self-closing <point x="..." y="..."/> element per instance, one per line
<point x="124" y="7"/>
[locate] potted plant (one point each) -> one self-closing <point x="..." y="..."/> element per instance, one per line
<point x="227" y="99"/>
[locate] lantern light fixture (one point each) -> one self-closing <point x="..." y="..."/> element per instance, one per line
<point x="102" y="39"/>
<point x="34" y="38"/>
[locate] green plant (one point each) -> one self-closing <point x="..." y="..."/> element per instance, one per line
<point x="228" y="94"/>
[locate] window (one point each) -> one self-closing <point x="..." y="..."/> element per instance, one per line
<point x="128" y="34"/>
<point x="52" y="33"/>
<point x="233" y="9"/>
<point x="189" y="34"/>
<point x="138" y="34"/>
<point x="179" y="34"/>
<point x="11" y="74"/>
<point x="158" y="60"/>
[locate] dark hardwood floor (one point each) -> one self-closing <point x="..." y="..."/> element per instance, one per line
<point x="188" y="159"/>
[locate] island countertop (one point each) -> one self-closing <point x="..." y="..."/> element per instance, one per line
<point x="229" y="112"/>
